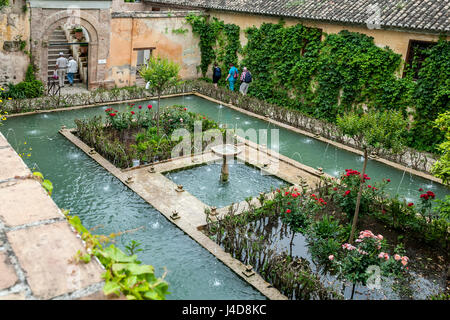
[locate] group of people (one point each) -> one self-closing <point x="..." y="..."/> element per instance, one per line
<point x="233" y="76"/>
<point x="64" y="66"/>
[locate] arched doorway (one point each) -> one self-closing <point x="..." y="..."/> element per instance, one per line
<point x="44" y="53"/>
<point x="70" y="42"/>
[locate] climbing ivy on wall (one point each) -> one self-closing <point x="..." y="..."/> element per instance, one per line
<point x="293" y="68"/>
<point x="431" y="97"/>
<point x="342" y="73"/>
<point x="3" y="3"/>
<point x="280" y="60"/>
<point x="219" y="42"/>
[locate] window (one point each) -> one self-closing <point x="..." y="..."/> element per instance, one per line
<point x="143" y="54"/>
<point x="416" y="49"/>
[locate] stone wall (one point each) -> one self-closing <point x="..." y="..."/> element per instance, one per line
<point x="14" y="33"/>
<point x="398" y="41"/>
<point x="140" y="30"/>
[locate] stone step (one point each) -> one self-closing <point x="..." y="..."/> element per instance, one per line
<point x="54" y="36"/>
<point x="76" y="76"/>
<point x="53" y="50"/>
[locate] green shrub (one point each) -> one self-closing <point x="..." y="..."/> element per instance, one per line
<point x="25" y="90"/>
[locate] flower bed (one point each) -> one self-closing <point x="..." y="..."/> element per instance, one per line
<point x="421" y="221"/>
<point x="132" y="134"/>
<point x="315" y="229"/>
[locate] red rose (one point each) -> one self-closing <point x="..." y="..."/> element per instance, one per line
<point x="388" y="180"/>
<point x="289" y="203"/>
<point x="149" y="106"/>
<point x="369" y="186"/>
<point x="132" y="112"/>
<point x="112" y="114"/>
<point x="410" y="204"/>
<point x="185" y="109"/>
<point x="288" y="211"/>
<point x="140" y="107"/>
<point x="335" y="189"/>
<point x="347" y="192"/>
<point x="204" y="118"/>
<point x="420" y="189"/>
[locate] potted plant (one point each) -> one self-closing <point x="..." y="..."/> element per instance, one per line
<point x="78" y="33"/>
<point x="83" y="48"/>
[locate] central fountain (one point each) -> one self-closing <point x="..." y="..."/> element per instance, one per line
<point x="226" y="151"/>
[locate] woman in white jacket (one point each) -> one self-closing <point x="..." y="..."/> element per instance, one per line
<point x="72" y="68"/>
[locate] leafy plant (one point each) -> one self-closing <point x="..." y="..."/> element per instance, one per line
<point x="441" y="168"/>
<point x="372" y="130"/>
<point x="46" y="184"/>
<point x="124" y="273"/>
<point x="161" y="74"/>
<point x="4" y="3"/>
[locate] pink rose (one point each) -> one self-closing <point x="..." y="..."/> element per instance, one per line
<point x="331" y="257"/>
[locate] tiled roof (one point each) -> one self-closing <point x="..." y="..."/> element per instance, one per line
<point x="420" y="15"/>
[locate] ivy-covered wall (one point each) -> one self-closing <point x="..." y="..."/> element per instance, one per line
<point x="293" y="68"/>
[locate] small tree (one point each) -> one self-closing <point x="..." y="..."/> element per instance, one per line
<point x="441" y="168"/>
<point x="161" y="73"/>
<point x="373" y="131"/>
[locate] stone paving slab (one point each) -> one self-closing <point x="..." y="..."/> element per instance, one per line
<point x="30" y="202"/>
<point x="3" y="141"/>
<point x="13" y="296"/>
<point x="99" y="295"/>
<point x="11" y="164"/>
<point x="8" y="276"/>
<point x="44" y="253"/>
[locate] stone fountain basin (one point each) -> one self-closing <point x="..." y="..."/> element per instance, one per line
<point x="226" y="150"/>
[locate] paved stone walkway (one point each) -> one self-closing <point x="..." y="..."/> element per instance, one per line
<point x="37" y="242"/>
<point x="77" y="88"/>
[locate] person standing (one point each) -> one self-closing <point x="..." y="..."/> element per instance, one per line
<point x="71" y="70"/>
<point x="217" y="74"/>
<point x="246" y="78"/>
<point x="61" y="66"/>
<point x="233" y="75"/>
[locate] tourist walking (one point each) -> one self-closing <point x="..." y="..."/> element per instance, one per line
<point x="232" y="77"/>
<point x="246" y="78"/>
<point x="71" y="70"/>
<point x="61" y="67"/>
<point x="217" y="74"/>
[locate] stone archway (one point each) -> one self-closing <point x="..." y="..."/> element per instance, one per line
<point x="43" y="25"/>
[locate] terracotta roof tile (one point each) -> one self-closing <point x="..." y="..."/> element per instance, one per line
<point x="419" y="15"/>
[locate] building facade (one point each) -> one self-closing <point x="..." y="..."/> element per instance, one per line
<point x="121" y="35"/>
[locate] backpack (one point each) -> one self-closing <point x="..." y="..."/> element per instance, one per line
<point x="235" y="75"/>
<point x="217" y="72"/>
<point x="248" y="77"/>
